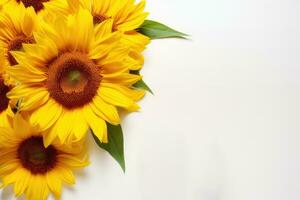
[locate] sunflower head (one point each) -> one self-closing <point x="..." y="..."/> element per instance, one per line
<point x="17" y="24"/>
<point x="127" y="16"/>
<point x="81" y="74"/>
<point x="32" y="168"/>
<point x="73" y="76"/>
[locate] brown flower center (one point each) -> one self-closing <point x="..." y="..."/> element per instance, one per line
<point x="73" y="79"/>
<point x="4" y="101"/>
<point x="15" y="45"/>
<point x="36" y="4"/>
<point x="35" y="157"/>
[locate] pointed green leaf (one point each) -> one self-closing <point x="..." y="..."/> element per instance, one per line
<point x="142" y="85"/>
<point x="156" y="30"/>
<point x="115" y="145"/>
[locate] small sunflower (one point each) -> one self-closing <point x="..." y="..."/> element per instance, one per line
<point x="77" y="75"/>
<point x="126" y="15"/>
<point x="33" y="169"/>
<point x="17" y="24"/>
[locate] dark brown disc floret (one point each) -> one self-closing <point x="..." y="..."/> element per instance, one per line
<point x="73" y="79"/>
<point x="35" y="157"/>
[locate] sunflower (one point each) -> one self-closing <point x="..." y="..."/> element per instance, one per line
<point x="33" y="169"/>
<point x="126" y="15"/>
<point x="17" y="24"/>
<point x="74" y="75"/>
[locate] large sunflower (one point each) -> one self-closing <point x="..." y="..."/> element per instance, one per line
<point x="33" y="169"/>
<point x="74" y="78"/>
<point x="126" y="15"/>
<point x="17" y="24"/>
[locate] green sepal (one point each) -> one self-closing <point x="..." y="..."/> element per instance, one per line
<point x="115" y="145"/>
<point x="156" y="30"/>
<point x="142" y="85"/>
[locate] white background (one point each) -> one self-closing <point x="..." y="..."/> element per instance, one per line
<point x="224" y="121"/>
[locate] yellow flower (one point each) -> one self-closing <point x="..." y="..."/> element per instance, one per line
<point x="126" y="15"/>
<point x="17" y="24"/>
<point x="33" y="169"/>
<point x="74" y="78"/>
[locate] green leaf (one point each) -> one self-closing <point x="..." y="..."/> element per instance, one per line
<point x="115" y="145"/>
<point x="156" y="30"/>
<point x="142" y="85"/>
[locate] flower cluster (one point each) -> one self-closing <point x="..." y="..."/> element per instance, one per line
<point x="67" y="68"/>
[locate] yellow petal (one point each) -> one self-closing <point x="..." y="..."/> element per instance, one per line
<point x="100" y="50"/>
<point x="96" y="123"/>
<point x="135" y="40"/>
<point x="37" y="188"/>
<point x="126" y="79"/>
<point x="102" y="30"/>
<point x="7" y="138"/>
<point x="66" y="131"/>
<point x="25" y="76"/>
<point x="65" y="174"/>
<point x="83" y="21"/>
<point x="46" y="115"/>
<point x="79" y="128"/>
<point x="9" y="168"/>
<point x="29" y="21"/>
<point x="22" y="182"/>
<point x="101" y="6"/>
<point x="54" y="183"/>
<point x="104" y="110"/>
<point x="133" y="23"/>
<point x="134" y="94"/>
<point x="72" y="161"/>
<point x="11" y="177"/>
<point x="4" y="119"/>
<point x="115" y="97"/>
<point x="21" y="127"/>
<point x="49" y="136"/>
